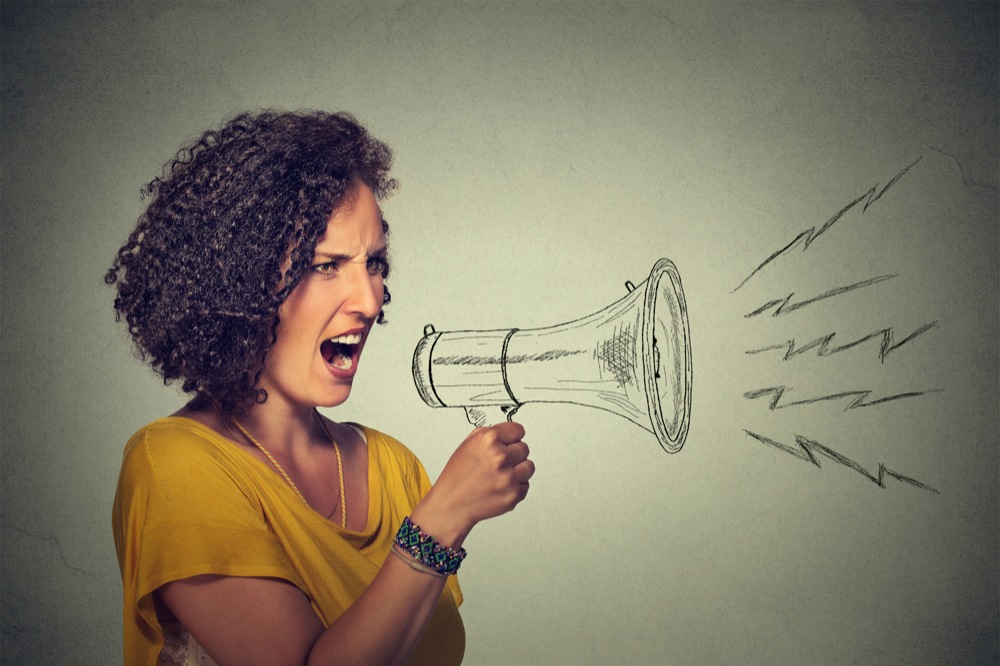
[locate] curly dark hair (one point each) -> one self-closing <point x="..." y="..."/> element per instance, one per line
<point x="229" y="231"/>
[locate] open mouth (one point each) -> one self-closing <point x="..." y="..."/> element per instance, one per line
<point x="341" y="351"/>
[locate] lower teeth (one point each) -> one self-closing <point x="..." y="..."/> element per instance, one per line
<point x="342" y="362"/>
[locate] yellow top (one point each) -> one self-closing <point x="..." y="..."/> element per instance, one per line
<point x="190" y="502"/>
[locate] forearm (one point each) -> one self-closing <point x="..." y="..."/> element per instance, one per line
<point x="386" y="622"/>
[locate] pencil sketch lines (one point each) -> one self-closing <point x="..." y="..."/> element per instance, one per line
<point x="615" y="354"/>
<point x="807" y="237"/>
<point x="784" y="306"/>
<point x="548" y="355"/>
<point x="631" y="358"/>
<point x="883" y="341"/>
<point x="823" y="348"/>
<point x="858" y="398"/>
<point x="809" y="451"/>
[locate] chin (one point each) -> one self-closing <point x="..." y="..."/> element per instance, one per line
<point x="335" y="399"/>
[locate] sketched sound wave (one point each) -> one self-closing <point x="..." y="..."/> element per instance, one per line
<point x="784" y="307"/>
<point x="808" y="450"/>
<point x="822" y="343"/>
<point x="810" y="235"/>
<point x="860" y="398"/>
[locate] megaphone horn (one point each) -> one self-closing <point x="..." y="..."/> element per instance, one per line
<point x="632" y="358"/>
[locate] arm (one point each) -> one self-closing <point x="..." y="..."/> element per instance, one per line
<point x="268" y="621"/>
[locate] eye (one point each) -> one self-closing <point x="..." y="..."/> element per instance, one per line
<point x="325" y="268"/>
<point x="378" y="266"/>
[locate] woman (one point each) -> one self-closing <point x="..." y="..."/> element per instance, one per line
<point x="249" y="528"/>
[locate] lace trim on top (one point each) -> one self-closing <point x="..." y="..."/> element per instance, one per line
<point x="180" y="648"/>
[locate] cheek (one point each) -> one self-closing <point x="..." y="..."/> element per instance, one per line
<point x="307" y="301"/>
<point x="295" y="315"/>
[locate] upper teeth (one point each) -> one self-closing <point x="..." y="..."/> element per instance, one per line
<point x="352" y="339"/>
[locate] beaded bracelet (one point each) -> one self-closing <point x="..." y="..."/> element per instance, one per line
<point x="425" y="549"/>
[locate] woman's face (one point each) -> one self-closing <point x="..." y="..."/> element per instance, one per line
<point x="326" y="319"/>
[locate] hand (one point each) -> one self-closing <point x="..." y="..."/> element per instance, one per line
<point x="486" y="476"/>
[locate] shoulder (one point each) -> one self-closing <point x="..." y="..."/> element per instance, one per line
<point x="178" y="457"/>
<point x="381" y="441"/>
<point x="390" y="453"/>
<point x="172" y="440"/>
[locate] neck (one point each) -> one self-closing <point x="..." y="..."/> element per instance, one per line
<point x="284" y="427"/>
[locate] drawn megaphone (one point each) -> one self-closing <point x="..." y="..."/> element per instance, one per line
<point x="632" y="358"/>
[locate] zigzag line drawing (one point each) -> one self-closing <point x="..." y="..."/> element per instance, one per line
<point x="783" y="303"/>
<point x="860" y="398"/>
<point x="806" y="238"/>
<point x="808" y="449"/>
<point x="822" y="343"/>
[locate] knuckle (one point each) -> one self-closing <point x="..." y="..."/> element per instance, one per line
<point x="491" y="436"/>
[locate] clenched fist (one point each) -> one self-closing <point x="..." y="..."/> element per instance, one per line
<point x="486" y="476"/>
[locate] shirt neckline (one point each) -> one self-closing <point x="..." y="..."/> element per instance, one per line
<point x="225" y="444"/>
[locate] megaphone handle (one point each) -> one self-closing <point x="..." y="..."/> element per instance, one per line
<point x="486" y="416"/>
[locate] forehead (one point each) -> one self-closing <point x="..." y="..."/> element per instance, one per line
<point x="357" y="221"/>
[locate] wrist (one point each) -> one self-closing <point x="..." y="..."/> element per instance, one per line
<point x="448" y="527"/>
<point x="432" y="555"/>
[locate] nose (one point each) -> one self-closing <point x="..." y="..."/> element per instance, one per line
<point x="366" y="292"/>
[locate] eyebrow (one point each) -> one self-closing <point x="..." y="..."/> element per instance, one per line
<point x="380" y="252"/>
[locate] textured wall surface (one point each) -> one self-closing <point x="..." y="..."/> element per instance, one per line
<point x="548" y="152"/>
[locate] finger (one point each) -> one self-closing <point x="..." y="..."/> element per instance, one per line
<point x="523" y="471"/>
<point x="509" y="431"/>
<point x="516" y="452"/>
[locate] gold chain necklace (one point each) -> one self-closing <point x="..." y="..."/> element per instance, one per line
<point x="284" y="474"/>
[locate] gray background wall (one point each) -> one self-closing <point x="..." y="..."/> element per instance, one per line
<point x="548" y="152"/>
